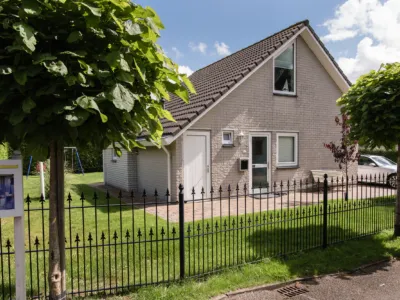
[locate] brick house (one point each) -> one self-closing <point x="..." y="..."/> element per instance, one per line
<point x="260" y="115"/>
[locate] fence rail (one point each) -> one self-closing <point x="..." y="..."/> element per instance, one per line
<point x="116" y="243"/>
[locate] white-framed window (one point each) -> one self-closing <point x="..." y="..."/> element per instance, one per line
<point x="114" y="156"/>
<point x="287" y="149"/>
<point x="227" y="137"/>
<point x="285" y="71"/>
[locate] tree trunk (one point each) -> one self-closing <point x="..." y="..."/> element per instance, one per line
<point x="56" y="223"/>
<point x="397" y="221"/>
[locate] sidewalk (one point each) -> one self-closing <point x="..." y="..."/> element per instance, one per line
<point x="380" y="281"/>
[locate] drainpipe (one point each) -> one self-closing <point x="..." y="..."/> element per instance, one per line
<point x="168" y="169"/>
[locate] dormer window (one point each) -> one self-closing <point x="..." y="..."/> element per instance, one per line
<point x="284" y="72"/>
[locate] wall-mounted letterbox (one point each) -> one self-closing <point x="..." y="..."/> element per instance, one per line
<point x="243" y="164"/>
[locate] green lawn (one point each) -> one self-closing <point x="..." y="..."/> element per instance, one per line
<point x="210" y="245"/>
<point x="342" y="257"/>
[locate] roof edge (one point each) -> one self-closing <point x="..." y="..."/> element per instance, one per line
<point x="306" y="22"/>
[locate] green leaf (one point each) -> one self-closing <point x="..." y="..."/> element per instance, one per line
<point x="156" y="18"/>
<point x="5" y="70"/>
<point x="120" y="4"/>
<point x="178" y="90"/>
<point x="87" y="69"/>
<point x="31" y="7"/>
<point x="94" y="10"/>
<point x="27" y="105"/>
<point x="160" y="87"/>
<point x="153" y="26"/>
<point x="56" y="68"/>
<point x="117" y="21"/>
<point x="124" y="65"/>
<point x="112" y="59"/>
<point x="122" y="97"/>
<point x="166" y="114"/>
<point x="132" y="28"/>
<point x="71" y="80"/>
<point x="188" y="83"/>
<point x="77" y="117"/>
<point x="89" y="104"/>
<point x="125" y="77"/>
<point x="74" y="36"/>
<point x="21" y="77"/>
<point x="41" y="57"/>
<point x="27" y="35"/>
<point x="139" y="71"/>
<point x="78" y="53"/>
<point x="81" y="78"/>
<point x="97" y="31"/>
<point x="16" y="117"/>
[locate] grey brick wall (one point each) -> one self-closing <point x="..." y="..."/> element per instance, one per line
<point x="253" y="107"/>
<point x="121" y="173"/>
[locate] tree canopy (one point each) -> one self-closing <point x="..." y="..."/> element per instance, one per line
<point x="373" y="105"/>
<point x="83" y="70"/>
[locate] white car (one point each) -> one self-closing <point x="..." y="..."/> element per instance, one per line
<point x="371" y="165"/>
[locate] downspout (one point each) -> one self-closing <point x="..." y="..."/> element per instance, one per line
<point x="168" y="168"/>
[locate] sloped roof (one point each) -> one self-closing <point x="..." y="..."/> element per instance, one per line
<point x="213" y="81"/>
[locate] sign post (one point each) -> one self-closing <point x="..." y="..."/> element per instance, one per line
<point x="12" y="205"/>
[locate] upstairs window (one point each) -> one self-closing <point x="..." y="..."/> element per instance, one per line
<point x="284" y="72"/>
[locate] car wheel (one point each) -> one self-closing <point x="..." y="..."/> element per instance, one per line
<point x="392" y="181"/>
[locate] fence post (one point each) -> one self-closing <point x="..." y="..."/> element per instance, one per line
<point x="325" y="216"/>
<point x="181" y="232"/>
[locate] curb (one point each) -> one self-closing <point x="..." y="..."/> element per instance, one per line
<point x="274" y="286"/>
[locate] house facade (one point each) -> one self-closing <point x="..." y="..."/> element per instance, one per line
<point x="260" y="115"/>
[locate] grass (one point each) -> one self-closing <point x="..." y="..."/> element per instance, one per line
<point x="343" y="257"/>
<point x="113" y="263"/>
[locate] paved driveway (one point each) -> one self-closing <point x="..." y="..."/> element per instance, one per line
<point x="238" y="205"/>
<point x="379" y="282"/>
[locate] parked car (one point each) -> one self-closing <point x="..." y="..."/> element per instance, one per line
<point x="371" y="165"/>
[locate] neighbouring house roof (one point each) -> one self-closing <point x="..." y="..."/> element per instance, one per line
<point x="214" y="81"/>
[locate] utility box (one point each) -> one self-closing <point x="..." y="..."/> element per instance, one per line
<point x="243" y="164"/>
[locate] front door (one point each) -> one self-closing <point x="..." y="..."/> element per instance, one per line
<point x="259" y="162"/>
<point x="196" y="158"/>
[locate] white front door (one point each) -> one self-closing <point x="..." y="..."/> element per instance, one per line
<point x="259" y="162"/>
<point x="196" y="161"/>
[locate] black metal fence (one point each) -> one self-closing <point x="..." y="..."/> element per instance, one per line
<point x="115" y="244"/>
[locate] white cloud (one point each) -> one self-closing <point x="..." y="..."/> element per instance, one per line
<point x="222" y="48"/>
<point x="199" y="47"/>
<point x="185" y="70"/>
<point x="178" y="54"/>
<point x="377" y="23"/>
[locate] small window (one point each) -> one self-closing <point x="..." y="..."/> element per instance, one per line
<point x="287" y="152"/>
<point x="114" y="156"/>
<point x="284" y="72"/>
<point x="227" y="138"/>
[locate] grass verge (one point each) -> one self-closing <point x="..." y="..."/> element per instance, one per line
<point x="342" y="257"/>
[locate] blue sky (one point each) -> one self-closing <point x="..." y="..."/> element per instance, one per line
<point x="200" y="32"/>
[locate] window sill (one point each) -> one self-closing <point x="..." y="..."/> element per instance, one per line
<point x="228" y="145"/>
<point x="288" y="167"/>
<point x="285" y="95"/>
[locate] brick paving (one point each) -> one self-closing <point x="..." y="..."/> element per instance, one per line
<point x="197" y="210"/>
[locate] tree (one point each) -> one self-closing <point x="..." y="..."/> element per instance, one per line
<point x="346" y="151"/>
<point x="3" y="151"/>
<point x="74" y="71"/>
<point x="373" y="107"/>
